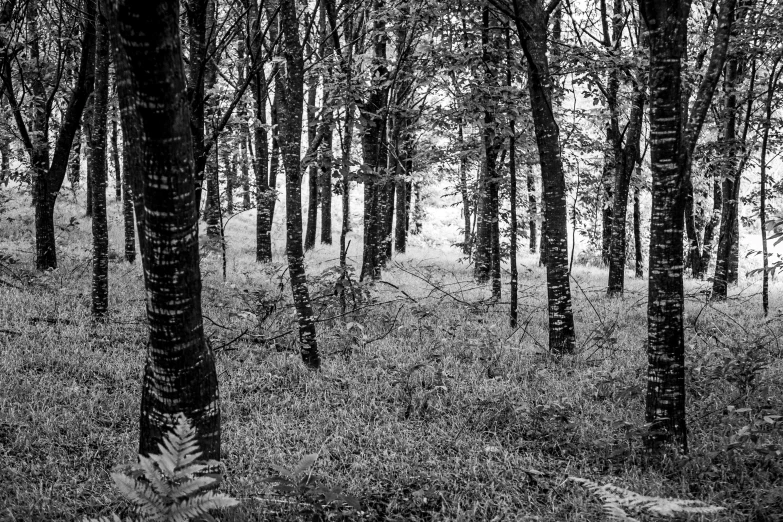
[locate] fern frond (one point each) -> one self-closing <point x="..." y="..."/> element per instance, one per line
<point x="617" y="500"/>
<point x="191" y="486"/>
<point x="153" y="475"/>
<point x="199" y="506"/>
<point x="141" y="494"/>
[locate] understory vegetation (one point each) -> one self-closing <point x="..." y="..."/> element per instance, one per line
<point x="428" y="406"/>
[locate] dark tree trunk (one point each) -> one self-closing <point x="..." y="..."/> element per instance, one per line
<point x="179" y="375"/>
<point x="127" y="205"/>
<point x="637" y="234"/>
<point x="212" y="210"/>
<point x="665" y="403"/>
<point x="482" y="255"/>
<point x="417" y="210"/>
<point x="260" y="96"/>
<point x="326" y="180"/>
<point x="531" y="23"/>
<point x="87" y="132"/>
<point x="100" y="230"/>
<point x="696" y="121"/>
<point x="373" y="114"/>
<point x="532" y="211"/>
<point x="345" y="179"/>
<point x="404" y="167"/>
<point x="625" y="161"/>
<point x="231" y="176"/>
<point x="709" y="228"/>
<point x="312" y="170"/>
<point x="291" y="140"/>
<point x="115" y="157"/>
<point x="196" y="11"/>
<point x="609" y="176"/>
<point x="463" y="188"/>
<point x="731" y="177"/>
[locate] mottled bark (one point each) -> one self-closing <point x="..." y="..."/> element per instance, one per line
<point x="291" y="140"/>
<point x="87" y="133"/>
<point x="212" y="209"/>
<point x="532" y="211"/>
<point x="100" y="230"/>
<point x="74" y="164"/>
<point x="531" y="24"/>
<point x="665" y="401"/>
<point x="612" y="144"/>
<point x="373" y="142"/>
<point x="179" y="375"/>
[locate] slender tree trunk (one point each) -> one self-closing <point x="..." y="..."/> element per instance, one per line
<point x="100" y="230"/>
<point x="312" y="170"/>
<point x="731" y="177"/>
<point x="612" y="146"/>
<point x="625" y="161"/>
<point x="531" y="26"/>
<point x="115" y="157"/>
<point x="665" y="403"/>
<point x="326" y="179"/>
<point x="179" y="375"/>
<point x="346" y="183"/>
<point x="291" y="138"/>
<point x="231" y="176"/>
<point x="773" y="78"/>
<point x="637" y="234"/>
<point x="463" y="187"/>
<point x="404" y="166"/>
<point x="196" y="11"/>
<point x="532" y="210"/>
<point x="74" y="165"/>
<point x="87" y="132"/>
<point x="709" y="228"/>
<point x="212" y="212"/>
<point x="127" y="204"/>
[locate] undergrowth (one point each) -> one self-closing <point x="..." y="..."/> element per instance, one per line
<point x="428" y="406"/>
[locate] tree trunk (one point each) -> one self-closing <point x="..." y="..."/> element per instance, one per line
<point x="773" y="78"/>
<point x="291" y="138"/>
<point x="74" y="165"/>
<point x="312" y="169"/>
<point x="625" y="161"/>
<point x="609" y="176"/>
<point x="709" y="228"/>
<point x="100" y="230"/>
<point x="115" y="157"/>
<point x="665" y="402"/>
<point x="326" y="180"/>
<point x="196" y="11"/>
<point x="87" y="132"/>
<point x="731" y="177"/>
<point x="532" y="210"/>
<point x="532" y="30"/>
<point x="637" y="234"/>
<point x="127" y="204"/>
<point x="179" y="375"/>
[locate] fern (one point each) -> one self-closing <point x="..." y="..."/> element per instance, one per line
<point x="165" y="487"/>
<point x="618" y="501"/>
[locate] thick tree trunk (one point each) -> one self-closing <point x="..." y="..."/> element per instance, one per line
<point x="100" y="230"/>
<point x="291" y="139"/>
<point x="665" y="403"/>
<point x="179" y="375"/>
<point x="531" y="26"/>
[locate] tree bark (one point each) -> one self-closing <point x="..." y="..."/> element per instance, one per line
<point x="291" y="140"/>
<point x="312" y="170"/>
<point x="115" y="157"/>
<point x="100" y="230"/>
<point x="179" y="375"/>
<point x="666" y="23"/>
<point x="325" y="165"/>
<point x="531" y="23"/>
<point x="127" y="205"/>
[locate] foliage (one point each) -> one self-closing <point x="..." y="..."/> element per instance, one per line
<point x="618" y="501"/>
<point x="172" y="486"/>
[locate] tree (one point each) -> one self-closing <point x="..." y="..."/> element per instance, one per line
<point x="667" y="28"/>
<point x="179" y="374"/>
<point x="100" y="231"/>
<point x="48" y="175"/>
<point x="531" y="20"/>
<point x="291" y="139"/>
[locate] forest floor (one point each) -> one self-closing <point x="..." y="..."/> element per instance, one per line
<point x="428" y="405"/>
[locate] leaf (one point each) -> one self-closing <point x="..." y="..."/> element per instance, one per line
<point x="306" y="463"/>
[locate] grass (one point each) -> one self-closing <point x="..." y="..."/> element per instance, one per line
<point x="428" y="407"/>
